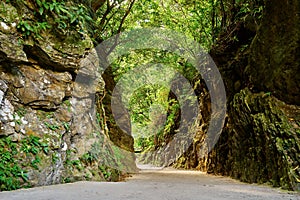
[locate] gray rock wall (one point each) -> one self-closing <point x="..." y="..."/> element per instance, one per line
<point x="48" y="108"/>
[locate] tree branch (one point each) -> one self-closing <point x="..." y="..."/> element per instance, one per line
<point x="121" y="25"/>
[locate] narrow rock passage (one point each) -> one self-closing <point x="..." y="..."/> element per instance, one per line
<point x="155" y="184"/>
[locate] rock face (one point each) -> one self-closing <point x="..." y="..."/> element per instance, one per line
<point x="51" y="128"/>
<point x="39" y="88"/>
<point x="275" y="52"/>
<point x="119" y="136"/>
<point x="7" y="122"/>
<point x="260" y="141"/>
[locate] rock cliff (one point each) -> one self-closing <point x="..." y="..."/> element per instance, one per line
<point x="52" y="131"/>
<point x="259" y="62"/>
<point x="260" y="142"/>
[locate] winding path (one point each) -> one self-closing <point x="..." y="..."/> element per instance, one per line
<point x="157" y="184"/>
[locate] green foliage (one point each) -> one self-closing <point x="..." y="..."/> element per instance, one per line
<point x="105" y="171"/>
<point x="21" y="111"/>
<point x="10" y="170"/>
<point x="68" y="104"/>
<point x="52" y="127"/>
<point x="111" y="18"/>
<point x="174" y="108"/>
<point x="144" y="143"/>
<point x="152" y="111"/>
<point x="193" y="18"/>
<point x="88" y="158"/>
<point x="251" y="8"/>
<point x="33" y="146"/>
<point x="66" y="126"/>
<point x="93" y="157"/>
<point x="64" y="15"/>
<point x="13" y="162"/>
<point x="69" y="16"/>
<point x="69" y="164"/>
<point x="55" y="158"/>
<point x="200" y="20"/>
<point x="28" y="28"/>
<point x="141" y="101"/>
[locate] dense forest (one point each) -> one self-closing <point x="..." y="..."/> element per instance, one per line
<point x="89" y="87"/>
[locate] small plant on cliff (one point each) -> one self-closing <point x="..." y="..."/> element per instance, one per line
<point x="28" y="28"/>
<point x="64" y="16"/>
<point x="31" y="146"/>
<point x="13" y="173"/>
<point x="52" y="127"/>
<point x="89" y="158"/>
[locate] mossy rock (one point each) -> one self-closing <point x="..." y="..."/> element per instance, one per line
<point x="263" y="144"/>
<point x="8" y="13"/>
<point x="274" y="64"/>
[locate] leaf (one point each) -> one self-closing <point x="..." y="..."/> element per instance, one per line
<point x="39" y="3"/>
<point x="57" y="10"/>
<point x="41" y="10"/>
<point x="46" y="6"/>
<point x="34" y="150"/>
<point x="46" y="150"/>
<point x="62" y="25"/>
<point x="27" y="26"/>
<point x="73" y="19"/>
<point x="61" y="17"/>
<point x="39" y="36"/>
<point x="51" y="7"/>
<point x="88" y="18"/>
<point x="24" y="176"/>
<point x="64" y="10"/>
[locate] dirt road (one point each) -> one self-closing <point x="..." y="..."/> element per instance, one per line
<point x="155" y="184"/>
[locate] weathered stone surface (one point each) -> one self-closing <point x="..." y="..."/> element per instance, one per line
<point x="6" y="112"/>
<point x="62" y="53"/>
<point x="3" y="89"/>
<point x="39" y="88"/>
<point x="63" y="113"/>
<point x="88" y="139"/>
<point x="120" y="137"/>
<point x="260" y="141"/>
<point x="9" y="14"/>
<point x="48" y="86"/>
<point x="275" y="52"/>
<point x="262" y="137"/>
<point x="50" y="58"/>
<point x="10" y="48"/>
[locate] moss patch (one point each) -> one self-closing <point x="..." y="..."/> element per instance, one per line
<point x="262" y="142"/>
